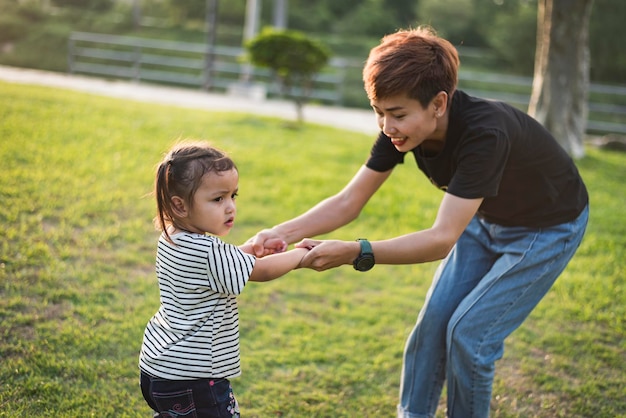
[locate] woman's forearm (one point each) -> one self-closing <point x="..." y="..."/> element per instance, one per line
<point x="326" y="216"/>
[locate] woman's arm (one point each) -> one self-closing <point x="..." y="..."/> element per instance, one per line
<point x="329" y="214"/>
<point x="430" y="244"/>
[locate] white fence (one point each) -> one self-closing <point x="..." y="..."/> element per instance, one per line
<point x="607" y="104"/>
<point x="221" y="68"/>
<point x="185" y="63"/>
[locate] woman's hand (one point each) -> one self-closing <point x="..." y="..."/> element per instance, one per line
<point x="324" y="255"/>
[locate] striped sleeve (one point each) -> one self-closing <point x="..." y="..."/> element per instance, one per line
<point x="229" y="268"/>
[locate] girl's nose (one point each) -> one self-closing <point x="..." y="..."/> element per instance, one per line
<point x="232" y="207"/>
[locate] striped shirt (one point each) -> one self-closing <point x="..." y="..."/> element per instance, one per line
<point x="195" y="333"/>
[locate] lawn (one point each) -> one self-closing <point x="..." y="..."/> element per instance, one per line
<point x="77" y="284"/>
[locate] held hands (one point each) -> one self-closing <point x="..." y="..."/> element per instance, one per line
<point x="267" y="242"/>
<point x="324" y="255"/>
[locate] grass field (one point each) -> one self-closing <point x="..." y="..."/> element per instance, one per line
<point x="77" y="283"/>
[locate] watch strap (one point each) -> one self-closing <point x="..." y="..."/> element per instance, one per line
<point x="366" y="247"/>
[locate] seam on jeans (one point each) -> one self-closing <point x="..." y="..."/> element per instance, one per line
<point x="531" y="244"/>
<point x="509" y="306"/>
<point x="441" y="361"/>
<point x="573" y="230"/>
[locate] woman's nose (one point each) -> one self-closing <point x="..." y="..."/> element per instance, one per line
<point x="387" y="126"/>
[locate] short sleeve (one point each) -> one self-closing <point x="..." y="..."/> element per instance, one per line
<point x="229" y="268"/>
<point x="384" y="156"/>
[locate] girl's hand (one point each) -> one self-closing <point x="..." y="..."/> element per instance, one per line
<point x="266" y="242"/>
<point x="274" y="245"/>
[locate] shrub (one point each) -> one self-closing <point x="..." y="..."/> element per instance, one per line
<point x="292" y="56"/>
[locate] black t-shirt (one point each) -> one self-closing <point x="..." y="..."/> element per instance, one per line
<point x="495" y="151"/>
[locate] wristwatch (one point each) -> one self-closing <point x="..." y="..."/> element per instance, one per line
<point x="365" y="260"/>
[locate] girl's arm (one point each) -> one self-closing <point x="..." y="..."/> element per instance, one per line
<point x="273" y="266"/>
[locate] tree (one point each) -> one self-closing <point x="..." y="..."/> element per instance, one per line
<point x="511" y="33"/>
<point x="606" y="36"/>
<point x="95" y="5"/>
<point x="292" y="57"/>
<point x="561" y="79"/>
<point x="452" y="18"/>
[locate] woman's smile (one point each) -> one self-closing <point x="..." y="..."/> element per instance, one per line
<point x="398" y="142"/>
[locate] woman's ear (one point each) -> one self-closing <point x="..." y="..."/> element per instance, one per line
<point x="440" y="103"/>
<point x="179" y="207"/>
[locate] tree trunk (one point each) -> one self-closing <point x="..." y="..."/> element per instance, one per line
<point x="561" y="80"/>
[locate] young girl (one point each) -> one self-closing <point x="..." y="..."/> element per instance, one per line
<point x="191" y="345"/>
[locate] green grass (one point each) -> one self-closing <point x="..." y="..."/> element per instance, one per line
<point x="77" y="286"/>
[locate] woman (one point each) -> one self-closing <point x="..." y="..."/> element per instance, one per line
<point x="513" y="213"/>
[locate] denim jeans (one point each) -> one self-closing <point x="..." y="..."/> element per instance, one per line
<point x="484" y="289"/>
<point x="201" y="398"/>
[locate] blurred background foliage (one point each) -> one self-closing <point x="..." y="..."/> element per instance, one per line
<point x="498" y="35"/>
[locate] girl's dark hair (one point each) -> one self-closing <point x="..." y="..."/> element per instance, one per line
<point x="414" y="62"/>
<point x="180" y="174"/>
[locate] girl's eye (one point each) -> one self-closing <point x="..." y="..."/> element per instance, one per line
<point x="218" y="199"/>
<point x="234" y="196"/>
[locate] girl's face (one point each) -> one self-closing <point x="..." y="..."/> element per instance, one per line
<point x="407" y="123"/>
<point x="214" y="208"/>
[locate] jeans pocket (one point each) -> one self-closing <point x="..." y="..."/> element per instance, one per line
<point x="224" y="398"/>
<point x="175" y="404"/>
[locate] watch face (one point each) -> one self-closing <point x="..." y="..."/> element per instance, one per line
<point x="365" y="260"/>
<point x="364" y="263"/>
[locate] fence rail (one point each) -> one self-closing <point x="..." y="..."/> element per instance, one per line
<point x="607" y="103"/>
<point x="221" y="68"/>
<point x="184" y="63"/>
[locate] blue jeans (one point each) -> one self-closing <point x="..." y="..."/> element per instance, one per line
<point x="201" y="398"/>
<point x="482" y="292"/>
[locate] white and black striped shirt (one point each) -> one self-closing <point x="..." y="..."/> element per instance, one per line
<point x="195" y="333"/>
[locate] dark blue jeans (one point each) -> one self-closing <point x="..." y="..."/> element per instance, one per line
<point x="201" y="398"/>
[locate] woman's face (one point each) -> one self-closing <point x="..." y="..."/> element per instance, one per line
<point x="407" y="123"/>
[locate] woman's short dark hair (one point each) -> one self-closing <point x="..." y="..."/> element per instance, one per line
<point x="414" y="62"/>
